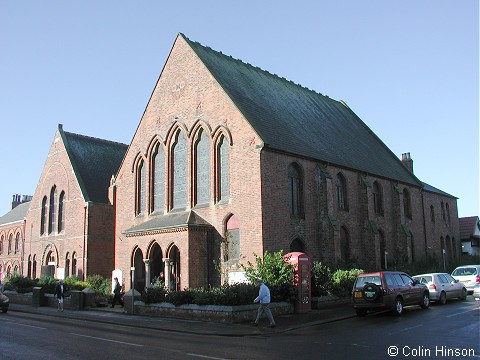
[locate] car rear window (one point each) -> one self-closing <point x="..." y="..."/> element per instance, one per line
<point x="465" y="271"/>
<point x="362" y="280"/>
<point x="423" y="279"/>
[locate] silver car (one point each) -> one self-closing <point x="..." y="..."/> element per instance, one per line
<point x="442" y="287"/>
<point x="469" y="275"/>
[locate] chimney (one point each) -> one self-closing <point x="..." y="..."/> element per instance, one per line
<point x="407" y="161"/>
<point x="15" y="201"/>
<point x="20" y="199"/>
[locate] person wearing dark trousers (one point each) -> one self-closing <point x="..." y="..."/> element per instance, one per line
<point x="117" y="291"/>
<point x="60" y="295"/>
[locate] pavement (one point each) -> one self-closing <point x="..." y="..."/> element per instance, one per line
<point x="285" y="323"/>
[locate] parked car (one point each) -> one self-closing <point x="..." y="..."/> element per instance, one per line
<point x="469" y="275"/>
<point x="442" y="287"/>
<point x="476" y="293"/>
<point x="387" y="290"/>
<point x="4" y="302"/>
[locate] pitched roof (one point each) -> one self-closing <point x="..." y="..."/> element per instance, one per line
<point x="299" y="121"/>
<point x="18" y="213"/>
<point x="430" y="188"/>
<point x="94" y="162"/>
<point x="173" y="220"/>
<point x="467" y="226"/>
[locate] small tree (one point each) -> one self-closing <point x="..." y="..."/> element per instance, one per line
<point x="272" y="269"/>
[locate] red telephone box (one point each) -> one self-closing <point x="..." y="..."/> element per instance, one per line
<point x="301" y="280"/>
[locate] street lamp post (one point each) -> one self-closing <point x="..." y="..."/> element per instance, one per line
<point x="444" y="264"/>
<point x="132" y="289"/>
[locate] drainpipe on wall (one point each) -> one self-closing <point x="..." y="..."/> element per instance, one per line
<point x="85" y="238"/>
<point x="22" y="256"/>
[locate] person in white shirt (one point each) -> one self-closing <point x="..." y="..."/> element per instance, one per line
<point x="264" y="299"/>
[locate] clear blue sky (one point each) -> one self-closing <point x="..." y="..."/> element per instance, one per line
<point x="408" y="69"/>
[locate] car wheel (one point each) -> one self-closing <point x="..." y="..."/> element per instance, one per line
<point x="464" y="294"/>
<point x="361" y="312"/>
<point x="398" y="307"/>
<point x="442" y="300"/>
<point x="426" y="300"/>
<point x="370" y="292"/>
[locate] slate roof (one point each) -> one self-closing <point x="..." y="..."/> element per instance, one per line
<point x="296" y="120"/>
<point x="172" y="220"/>
<point x="18" y="213"/>
<point x="467" y="226"/>
<point x="94" y="162"/>
<point x="430" y="188"/>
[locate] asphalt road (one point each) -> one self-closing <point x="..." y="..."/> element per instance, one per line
<point x="435" y="333"/>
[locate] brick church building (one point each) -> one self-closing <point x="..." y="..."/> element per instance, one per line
<point x="229" y="161"/>
<point x="67" y="226"/>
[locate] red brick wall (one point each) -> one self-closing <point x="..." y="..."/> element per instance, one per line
<point x="187" y="96"/>
<point x="58" y="171"/>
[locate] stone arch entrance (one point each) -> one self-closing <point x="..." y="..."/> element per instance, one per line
<point x="49" y="261"/>
<point x="172" y="268"/>
<point x="154" y="264"/>
<point x="139" y="274"/>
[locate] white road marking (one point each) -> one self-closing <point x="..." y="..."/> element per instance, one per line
<point x="206" y="357"/>
<point x="35" y="327"/>
<point x="405" y="329"/>
<point x="103" y="339"/>
<point x="463" y="312"/>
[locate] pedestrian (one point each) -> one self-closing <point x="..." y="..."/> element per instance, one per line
<point x="1" y="287"/>
<point x="117" y="291"/>
<point x="60" y="295"/>
<point x="264" y="299"/>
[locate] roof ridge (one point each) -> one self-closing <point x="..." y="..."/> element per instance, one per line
<point x="255" y="67"/>
<point x="95" y="138"/>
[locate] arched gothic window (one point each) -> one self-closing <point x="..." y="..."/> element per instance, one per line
<point x="61" y="212"/>
<point x="377" y="198"/>
<point x="140" y="189"/>
<point x="295" y="190"/>
<point x="407" y="207"/>
<point x="432" y="214"/>
<point x="341" y="191"/>
<point x="222" y="192"/>
<point x="51" y="222"/>
<point x="158" y="181"/>
<point x="202" y="169"/>
<point x="17" y="243"/>
<point x="10" y="239"/>
<point x="179" y="172"/>
<point x="43" y="218"/>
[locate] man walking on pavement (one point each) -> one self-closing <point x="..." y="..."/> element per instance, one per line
<point x="264" y="299"/>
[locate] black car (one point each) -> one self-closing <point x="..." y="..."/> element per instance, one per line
<point x="387" y="290"/>
<point x="4" y="302"/>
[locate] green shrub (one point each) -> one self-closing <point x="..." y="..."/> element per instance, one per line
<point x="343" y="281"/>
<point x="180" y="297"/>
<point x="272" y="269"/>
<point x="48" y="284"/>
<point x="19" y="283"/>
<point x="100" y="285"/>
<point x="321" y="279"/>
<point x="154" y="294"/>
